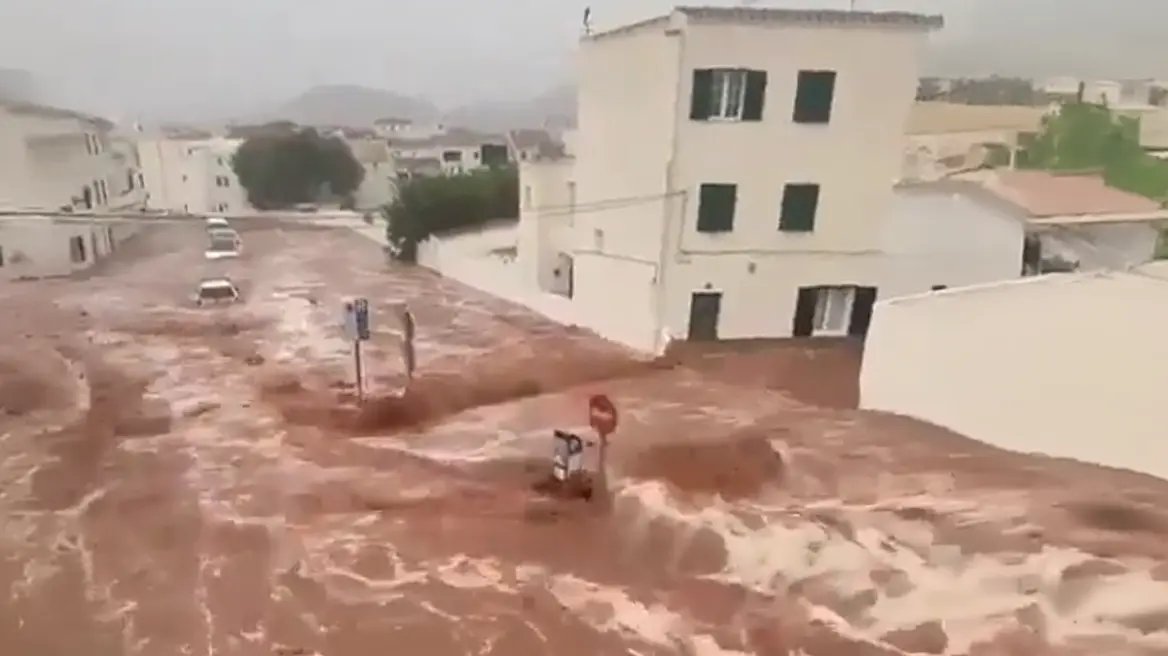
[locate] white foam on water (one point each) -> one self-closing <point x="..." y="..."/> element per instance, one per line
<point x="968" y="594"/>
<point x="611" y="609"/>
<point x="304" y="329"/>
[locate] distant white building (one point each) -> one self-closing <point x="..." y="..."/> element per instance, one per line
<point x="1063" y="364"/>
<point x="732" y="174"/>
<point x="53" y="158"/>
<point x="451" y="152"/>
<point x="403" y="128"/>
<point x="379" y="183"/>
<point x="191" y="175"/>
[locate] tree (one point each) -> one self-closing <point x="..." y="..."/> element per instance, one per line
<point x="1088" y="137"/>
<point x="427" y="206"/>
<point x="285" y="166"/>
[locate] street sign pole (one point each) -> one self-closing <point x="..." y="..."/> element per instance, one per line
<point x="409" y="356"/>
<point x="356" y="322"/>
<point x="357" y="366"/>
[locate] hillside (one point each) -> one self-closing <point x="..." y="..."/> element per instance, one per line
<point x="351" y="105"/>
<point x="360" y="106"/>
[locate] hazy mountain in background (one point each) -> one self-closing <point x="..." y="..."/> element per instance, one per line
<point x="357" y="106"/>
<point x="352" y="105"/>
<point x="18" y="85"/>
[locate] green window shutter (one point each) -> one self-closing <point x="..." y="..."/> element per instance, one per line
<point x="814" y="96"/>
<point x="716" y="205"/>
<point x="755" y="97"/>
<point x="800" y="205"/>
<point x="702" y="96"/>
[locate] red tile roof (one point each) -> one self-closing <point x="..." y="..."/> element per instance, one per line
<point x="1043" y="194"/>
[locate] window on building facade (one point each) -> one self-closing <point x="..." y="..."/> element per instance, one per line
<point x="728" y="94"/>
<point x="716" y="206"/>
<point x="833" y="307"/>
<point x="800" y="205"/>
<point x="1" y="256"/>
<point x="76" y="249"/>
<point x="452" y="156"/>
<point x="814" y="95"/>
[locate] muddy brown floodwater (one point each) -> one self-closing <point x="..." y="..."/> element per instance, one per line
<point x="182" y="481"/>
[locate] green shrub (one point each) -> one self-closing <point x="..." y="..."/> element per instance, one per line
<point x="428" y="206"/>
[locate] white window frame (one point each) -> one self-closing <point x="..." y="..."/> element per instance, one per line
<point x="729" y="86"/>
<point x="833" y="310"/>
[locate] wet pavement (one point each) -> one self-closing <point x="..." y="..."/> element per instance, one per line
<point x="176" y="480"/>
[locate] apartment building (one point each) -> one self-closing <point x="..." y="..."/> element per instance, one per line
<point x="191" y="175"/>
<point x="733" y="172"/>
<point x="53" y="159"/>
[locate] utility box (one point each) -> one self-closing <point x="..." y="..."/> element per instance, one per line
<point x="568" y="455"/>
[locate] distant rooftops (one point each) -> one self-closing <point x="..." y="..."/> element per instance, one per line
<point x="46" y="111"/>
<point x="541" y="142"/>
<point x="1041" y="197"/>
<point x="801" y="17"/>
<point x="452" y="138"/>
<point x="1045" y="195"/>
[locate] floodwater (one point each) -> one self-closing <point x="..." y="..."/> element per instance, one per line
<point x="176" y="480"/>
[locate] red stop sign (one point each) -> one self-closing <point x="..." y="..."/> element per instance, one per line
<point x="602" y="414"/>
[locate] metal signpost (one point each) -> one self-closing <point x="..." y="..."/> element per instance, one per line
<point x="356" y="322"/>
<point x="602" y="416"/>
<point x="408" y="330"/>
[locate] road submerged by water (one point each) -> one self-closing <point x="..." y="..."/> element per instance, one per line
<point x="184" y="481"/>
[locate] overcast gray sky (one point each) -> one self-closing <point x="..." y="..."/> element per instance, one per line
<point x="116" y="56"/>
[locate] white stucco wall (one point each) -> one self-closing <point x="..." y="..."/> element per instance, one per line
<point x="614" y="296"/>
<point x="627" y="110"/>
<point x="1063" y="364"/>
<point x="759" y="303"/>
<point x="480" y="260"/>
<point x="40" y="247"/>
<point x="546" y="219"/>
<point x="938" y="238"/>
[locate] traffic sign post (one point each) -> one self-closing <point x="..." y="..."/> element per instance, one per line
<point x="355" y="319"/>
<point x="408" y="354"/>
